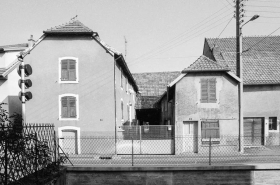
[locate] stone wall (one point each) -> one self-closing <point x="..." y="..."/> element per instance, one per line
<point x="240" y="174"/>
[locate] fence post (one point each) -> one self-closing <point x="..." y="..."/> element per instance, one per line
<point x="210" y="142"/>
<point x="6" y="159"/>
<point x="140" y="138"/>
<point x="132" y="151"/>
<point x="54" y="140"/>
<point x="36" y="157"/>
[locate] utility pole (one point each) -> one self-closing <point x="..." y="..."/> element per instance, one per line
<point x="239" y="14"/>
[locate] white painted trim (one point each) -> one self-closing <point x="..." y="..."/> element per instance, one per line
<point x="59" y="70"/>
<point x="70" y="128"/>
<point x="234" y="76"/>
<point x="77" y="107"/>
<point x="177" y="80"/>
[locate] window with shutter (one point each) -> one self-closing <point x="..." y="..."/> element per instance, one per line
<point x="208" y="90"/>
<point x="68" y="106"/>
<point x="68" y="70"/>
<point x="122" y="108"/>
<point x="210" y="129"/>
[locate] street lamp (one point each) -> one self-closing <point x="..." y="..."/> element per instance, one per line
<point x="239" y="72"/>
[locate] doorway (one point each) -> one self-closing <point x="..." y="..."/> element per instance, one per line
<point x="253" y="131"/>
<point x="190" y="136"/>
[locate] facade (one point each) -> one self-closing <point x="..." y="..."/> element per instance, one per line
<point x="151" y="87"/>
<point x="80" y="84"/>
<point x="203" y="104"/>
<point x="261" y="78"/>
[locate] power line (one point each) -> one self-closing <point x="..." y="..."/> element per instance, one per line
<point x="264" y="1"/>
<point x="260" y="41"/>
<point x="262" y="6"/>
<point x="182" y="34"/>
<point x="261" y="11"/>
<point x="222" y="32"/>
<point x="176" y="43"/>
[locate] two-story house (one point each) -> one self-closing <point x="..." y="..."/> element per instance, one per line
<point x="80" y="84"/>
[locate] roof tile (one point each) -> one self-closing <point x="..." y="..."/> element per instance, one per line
<point x="261" y="57"/>
<point x="74" y="26"/>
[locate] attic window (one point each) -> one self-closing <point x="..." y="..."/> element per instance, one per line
<point x="68" y="70"/>
<point x="208" y="90"/>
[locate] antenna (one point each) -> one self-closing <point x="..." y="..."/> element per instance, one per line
<point x="125" y="45"/>
<point x="74" y="18"/>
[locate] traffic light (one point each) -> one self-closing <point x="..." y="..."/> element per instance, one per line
<point x="27" y="69"/>
<point x="27" y="95"/>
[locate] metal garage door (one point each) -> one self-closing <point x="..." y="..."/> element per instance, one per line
<point x="253" y="131"/>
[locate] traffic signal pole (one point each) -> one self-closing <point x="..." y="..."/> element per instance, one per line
<point x="22" y="88"/>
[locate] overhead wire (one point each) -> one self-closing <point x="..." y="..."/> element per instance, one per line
<point x="198" y="25"/>
<point x="179" y="43"/>
<point x="260" y="41"/>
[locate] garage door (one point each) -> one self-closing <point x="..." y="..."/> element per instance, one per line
<point x="253" y="131"/>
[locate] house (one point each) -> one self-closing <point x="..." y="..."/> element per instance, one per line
<point x="261" y="79"/>
<point x="151" y="87"/>
<point x="80" y="84"/>
<point x="9" y="86"/>
<point x="204" y="98"/>
<point x="204" y="105"/>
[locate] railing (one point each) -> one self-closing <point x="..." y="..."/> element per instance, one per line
<point x="179" y="150"/>
<point x="29" y="150"/>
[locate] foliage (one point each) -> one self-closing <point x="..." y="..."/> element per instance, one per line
<point x="22" y="153"/>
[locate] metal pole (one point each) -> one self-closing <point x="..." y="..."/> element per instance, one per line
<point x="22" y="88"/>
<point x="239" y="73"/>
<point x="210" y="143"/>
<point x="132" y="151"/>
<point x="140" y="133"/>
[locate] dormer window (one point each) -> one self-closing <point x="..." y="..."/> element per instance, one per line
<point x="68" y="70"/>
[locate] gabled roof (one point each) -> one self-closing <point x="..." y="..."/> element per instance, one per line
<point x="72" y="27"/>
<point x="152" y="86"/>
<point x="203" y="63"/>
<point x="261" y="57"/>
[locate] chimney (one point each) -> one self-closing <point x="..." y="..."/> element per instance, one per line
<point x="31" y="42"/>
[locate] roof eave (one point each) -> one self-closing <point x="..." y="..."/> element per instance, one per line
<point x="51" y="33"/>
<point x="207" y="70"/>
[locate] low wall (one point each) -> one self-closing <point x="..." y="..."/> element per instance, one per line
<point x="239" y="174"/>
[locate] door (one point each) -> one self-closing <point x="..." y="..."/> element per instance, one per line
<point x="69" y="142"/>
<point x="190" y="140"/>
<point x="253" y="131"/>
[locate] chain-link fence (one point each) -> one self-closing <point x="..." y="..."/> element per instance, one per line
<point x="179" y="150"/>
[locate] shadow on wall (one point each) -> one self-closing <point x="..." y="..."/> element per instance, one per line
<point x="12" y="105"/>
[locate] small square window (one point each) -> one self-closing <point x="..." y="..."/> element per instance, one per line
<point x="273" y="123"/>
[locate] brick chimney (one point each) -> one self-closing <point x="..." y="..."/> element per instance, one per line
<point x="31" y="42"/>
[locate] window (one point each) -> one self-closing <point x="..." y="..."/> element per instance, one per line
<point x="121" y="78"/>
<point x="122" y="108"/>
<point x="68" y="70"/>
<point x="126" y="85"/>
<point x="273" y="123"/>
<point x="208" y="90"/>
<point x="128" y="112"/>
<point x="68" y="107"/>
<point x="210" y="129"/>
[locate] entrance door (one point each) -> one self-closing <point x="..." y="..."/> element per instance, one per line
<point x="190" y="140"/>
<point x="69" y="142"/>
<point x="253" y="131"/>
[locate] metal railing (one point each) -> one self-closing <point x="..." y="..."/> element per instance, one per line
<point x="179" y="150"/>
<point x="28" y="150"/>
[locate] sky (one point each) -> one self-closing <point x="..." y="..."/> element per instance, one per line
<point x="161" y="35"/>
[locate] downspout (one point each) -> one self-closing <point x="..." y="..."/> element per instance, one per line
<point x="115" y="105"/>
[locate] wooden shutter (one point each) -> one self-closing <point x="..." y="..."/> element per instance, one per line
<point x="204" y="90"/>
<point x="64" y="70"/>
<point x="210" y="129"/>
<point x="64" y="107"/>
<point x="212" y="91"/>
<point x="72" y="70"/>
<point x="122" y="108"/>
<point x="72" y="107"/>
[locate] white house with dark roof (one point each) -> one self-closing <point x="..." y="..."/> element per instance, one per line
<point x="80" y="84"/>
<point x="261" y="79"/>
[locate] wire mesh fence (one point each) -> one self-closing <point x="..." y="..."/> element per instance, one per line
<point x="26" y="150"/>
<point x="179" y="150"/>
